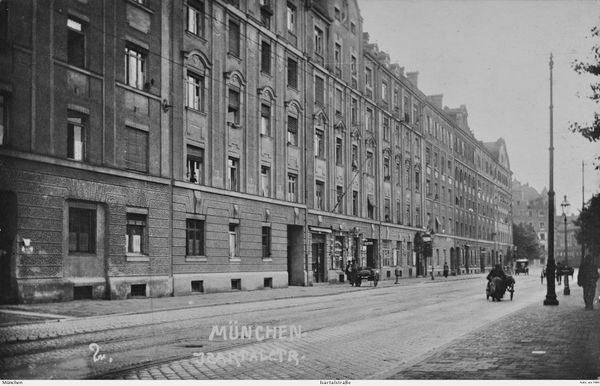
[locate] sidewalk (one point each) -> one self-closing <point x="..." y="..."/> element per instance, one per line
<point x="540" y="342"/>
<point x="31" y="313"/>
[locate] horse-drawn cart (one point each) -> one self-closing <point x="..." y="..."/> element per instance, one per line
<point x="496" y="287"/>
<point x="356" y="276"/>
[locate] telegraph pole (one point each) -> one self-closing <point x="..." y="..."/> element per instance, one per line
<point x="582" y="207"/>
<point x="551" y="267"/>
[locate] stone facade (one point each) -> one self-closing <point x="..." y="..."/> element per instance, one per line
<point x="154" y="148"/>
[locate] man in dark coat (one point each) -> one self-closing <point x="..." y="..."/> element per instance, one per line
<point x="587" y="278"/>
<point x="446" y="269"/>
<point x="497" y="272"/>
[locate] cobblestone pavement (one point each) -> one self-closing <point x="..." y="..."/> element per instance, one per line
<point x="348" y="333"/>
<point x="368" y="346"/>
<point x="541" y="342"/>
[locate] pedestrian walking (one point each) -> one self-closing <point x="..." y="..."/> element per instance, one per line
<point x="558" y="272"/>
<point x="543" y="275"/>
<point x="587" y="278"/>
<point x="432" y="278"/>
<point x="446" y="269"/>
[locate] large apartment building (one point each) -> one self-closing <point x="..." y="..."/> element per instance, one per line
<point x="157" y="148"/>
<point x="531" y="208"/>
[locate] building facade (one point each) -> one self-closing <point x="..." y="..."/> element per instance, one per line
<point x="531" y="208"/>
<point x="158" y="148"/>
<point x="570" y="255"/>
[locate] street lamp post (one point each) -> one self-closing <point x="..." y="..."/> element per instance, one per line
<point x="565" y="205"/>
<point x="550" y="292"/>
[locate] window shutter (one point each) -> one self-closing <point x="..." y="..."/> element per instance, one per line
<point x="137" y="150"/>
<point x="319" y="90"/>
<point x="292" y="124"/>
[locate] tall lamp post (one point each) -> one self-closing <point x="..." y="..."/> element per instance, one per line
<point x="565" y="205"/>
<point x="551" y="267"/>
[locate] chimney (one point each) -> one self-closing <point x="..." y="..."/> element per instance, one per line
<point x="436" y="100"/>
<point x="365" y="37"/>
<point x="412" y="77"/>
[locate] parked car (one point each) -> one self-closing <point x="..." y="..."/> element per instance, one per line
<point x="522" y="266"/>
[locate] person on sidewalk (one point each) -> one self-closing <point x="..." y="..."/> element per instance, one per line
<point x="446" y="269"/>
<point x="587" y="278"/>
<point x="543" y="275"/>
<point x="558" y="272"/>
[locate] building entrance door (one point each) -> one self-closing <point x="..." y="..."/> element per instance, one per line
<point x="318" y="259"/>
<point x="8" y="234"/>
<point x="371" y="255"/>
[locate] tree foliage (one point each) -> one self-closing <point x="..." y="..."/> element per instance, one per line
<point x="589" y="226"/>
<point x="591" y="132"/>
<point x="526" y="240"/>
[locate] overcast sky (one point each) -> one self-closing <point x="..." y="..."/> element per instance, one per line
<point x="493" y="57"/>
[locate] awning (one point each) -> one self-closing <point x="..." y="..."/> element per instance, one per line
<point x="319" y="229"/>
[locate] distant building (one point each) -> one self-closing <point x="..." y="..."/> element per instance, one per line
<point x="531" y="207"/>
<point x="573" y="247"/>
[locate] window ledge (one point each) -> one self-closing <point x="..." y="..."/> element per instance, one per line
<point x="137" y="257"/>
<point x="82" y="254"/>
<point x="267" y="259"/>
<point x="234" y="259"/>
<point x="141" y="6"/>
<point x="192" y="258"/>
<point x="234" y="56"/>
<point x="200" y="112"/>
<point x="195" y="36"/>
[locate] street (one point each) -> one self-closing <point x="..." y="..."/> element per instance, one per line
<point x="360" y="333"/>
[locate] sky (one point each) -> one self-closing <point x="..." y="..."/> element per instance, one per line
<point x="493" y="57"/>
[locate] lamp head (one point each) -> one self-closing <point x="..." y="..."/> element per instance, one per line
<point x="565" y="205"/>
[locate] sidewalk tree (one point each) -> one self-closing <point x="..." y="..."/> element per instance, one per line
<point x="589" y="224"/>
<point x="526" y="240"/>
<point x="590" y="131"/>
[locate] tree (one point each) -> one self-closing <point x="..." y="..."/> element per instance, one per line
<point x="590" y="131"/>
<point x="589" y="224"/>
<point x="526" y="241"/>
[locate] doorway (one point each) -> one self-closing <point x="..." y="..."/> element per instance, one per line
<point x="295" y="255"/>
<point x="371" y="253"/>
<point x="8" y="234"/>
<point x="318" y="258"/>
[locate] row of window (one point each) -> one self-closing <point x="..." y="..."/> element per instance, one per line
<point x="83" y="224"/>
